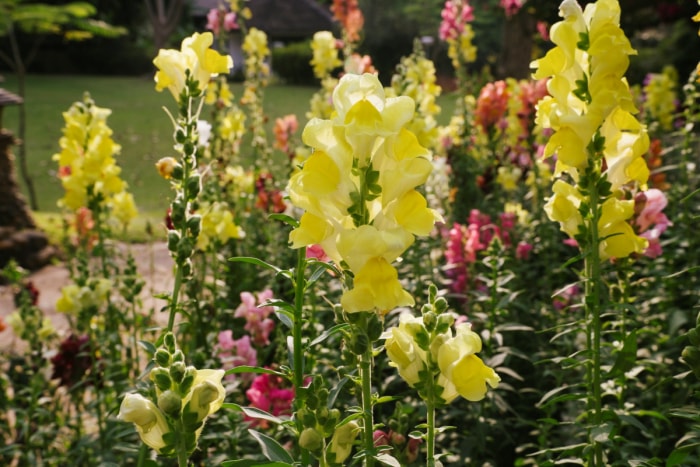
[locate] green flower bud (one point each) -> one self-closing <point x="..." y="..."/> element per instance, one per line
<point x="177" y="172"/>
<point x="444" y="323"/>
<point x="177" y="371"/>
<point x="694" y="337"/>
<point x="310" y="439"/>
<point x="161" y="378"/>
<point x="193" y="186"/>
<point x="170" y="403"/>
<point x="180" y="136"/>
<point x="173" y="240"/>
<point x="178" y="356"/>
<point x="169" y="342"/>
<point x="343" y="438"/>
<point x="188" y="379"/>
<point x="162" y="357"/>
<point x="194" y="225"/>
<point x="375" y="328"/>
<point x="441" y="305"/>
<point x="430" y="320"/>
<point x="185" y="247"/>
<point x="188" y="148"/>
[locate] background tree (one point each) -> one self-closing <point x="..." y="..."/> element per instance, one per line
<point x="164" y="16"/>
<point x="72" y="21"/>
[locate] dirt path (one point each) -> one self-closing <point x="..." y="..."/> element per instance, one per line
<point x="153" y="262"/>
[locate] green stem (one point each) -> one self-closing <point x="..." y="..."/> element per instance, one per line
<point x="592" y="304"/>
<point x="298" y="357"/>
<point x="174" y="297"/>
<point x="367" y="412"/>
<point x="430" y="435"/>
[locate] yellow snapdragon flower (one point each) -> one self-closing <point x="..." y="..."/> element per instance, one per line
<point x="358" y="189"/>
<point x="325" y="54"/>
<point x="194" y="55"/>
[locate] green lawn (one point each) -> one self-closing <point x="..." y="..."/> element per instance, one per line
<point x="138" y="120"/>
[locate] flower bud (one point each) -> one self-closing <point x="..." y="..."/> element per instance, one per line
<point x="173" y="240"/>
<point x="170" y="403"/>
<point x="166" y="166"/>
<point x="177" y="371"/>
<point x="161" y="378"/>
<point x="162" y="357"/>
<point x="149" y="420"/>
<point x="188" y="379"/>
<point x="169" y="342"/>
<point x="343" y="438"/>
<point x="310" y="439"/>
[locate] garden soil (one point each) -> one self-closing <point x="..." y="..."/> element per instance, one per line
<point x="154" y="264"/>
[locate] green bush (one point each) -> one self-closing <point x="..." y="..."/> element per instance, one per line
<point x="292" y="63"/>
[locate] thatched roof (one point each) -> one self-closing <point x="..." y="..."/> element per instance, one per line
<point x="280" y="19"/>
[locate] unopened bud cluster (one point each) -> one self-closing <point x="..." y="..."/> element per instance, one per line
<point x="184" y="398"/>
<point x="320" y="423"/>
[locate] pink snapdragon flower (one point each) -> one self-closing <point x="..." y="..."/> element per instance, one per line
<point x="491" y="105"/>
<point x="258" y="323"/>
<point x="236" y="352"/>
<point x="218" y="17"/>
<point x="285" y="127"/>
<point x="650" y="220"/>
<point x="511" y="7"/>
<point x="266" y="394"/>
<point x="455" y="15"/>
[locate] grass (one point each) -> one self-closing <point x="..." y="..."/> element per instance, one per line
<point x="140" y="126"/>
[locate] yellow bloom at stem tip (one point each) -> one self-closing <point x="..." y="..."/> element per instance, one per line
<point x="194" y="55"/>
<point x="149" y="420"/>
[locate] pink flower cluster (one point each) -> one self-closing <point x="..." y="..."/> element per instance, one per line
<point x="650" y="221"/>
<point x="218" y="18"/>
<point x="455" y="15"/>
<point x="285" y="127"/>
<point x="236" y="352"/>
<point x="511" y="7"/>
<point x="258" y="324"/>
<point x="464" y="242"/>
<point x="267" y="394"/>
<point x="492" y="105"/>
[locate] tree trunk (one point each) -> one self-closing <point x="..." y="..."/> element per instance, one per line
<point x="13" y="208"/>
<point x="164" y="16"/>
<point x="20" y="240"/>
<point x="516" y="51"/>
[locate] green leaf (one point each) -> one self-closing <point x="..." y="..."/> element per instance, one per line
<point x="677" y="457"/>
<point x="284" y="218"/>
<point x="285" y="318"/>
<point x="387" y="459"/>
<point x="271" y="448"/>
<point x="148" y="347"/>
<point x="627" y="355"/>
<point x="254" y="369"/>
<point x="254" y="412"/>
<point x="256" y="261"/>
<point x="328" y="333"/>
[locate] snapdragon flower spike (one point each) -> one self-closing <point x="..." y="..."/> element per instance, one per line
<point x="597" y="139"/>
<point x="358" y="190"/>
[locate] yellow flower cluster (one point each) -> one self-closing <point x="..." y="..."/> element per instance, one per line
<point x="75" y="298"/>
<point x="461" y="373"/>
<point x="591" y="110"/>
<point x="325" y="54"/>
<point x="217" y="225"/>
<point x="660" y="97"/>
<point x="358" y="190"/>
<point x="196" y="57"/>
<point x="416" y="79"/>
<point x="257" y="52"/>
<point x="87" y="168"/>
